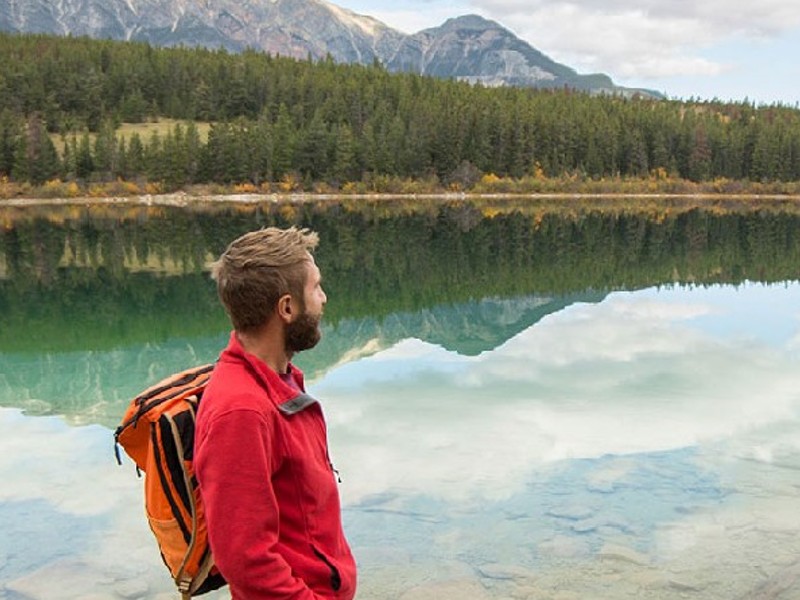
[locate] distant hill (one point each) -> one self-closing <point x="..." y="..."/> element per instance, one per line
<point x="467" y="47"/>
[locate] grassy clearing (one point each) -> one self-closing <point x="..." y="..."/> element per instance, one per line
<point x="162" y="126"/>
<point x="144" y="130"/>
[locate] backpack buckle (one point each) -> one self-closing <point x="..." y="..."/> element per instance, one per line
<point x="184" y="584"/>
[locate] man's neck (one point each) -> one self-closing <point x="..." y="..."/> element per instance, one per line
<point x="268" y="347"/>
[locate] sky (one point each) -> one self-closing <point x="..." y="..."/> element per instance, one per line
<point x="731" y="50"/>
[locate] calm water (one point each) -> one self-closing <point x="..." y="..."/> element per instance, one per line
<point x="522" y="403"/>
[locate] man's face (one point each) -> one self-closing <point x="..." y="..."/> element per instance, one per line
<point x="303" y="332"/>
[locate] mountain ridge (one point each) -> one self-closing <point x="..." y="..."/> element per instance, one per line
<point x="466" y="47"/>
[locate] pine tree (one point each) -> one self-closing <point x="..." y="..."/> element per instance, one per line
<point x="68" y="168"/>
<point x="9" y="134"/>
<point x="285" y="141"/>
<point x="259" y="148"/>
<point x="154" y="158"/>
<point x="192" y="150"/>
<point x="35" y="157"/>
<point x="311" y="157"/>
<point x="135" y="156"/>
<point x="84" y="161"/>
<point x="344" y="161"/>
<point x="105" y="145"/>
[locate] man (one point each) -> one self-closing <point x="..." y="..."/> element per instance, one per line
<point x="261" y="457"/>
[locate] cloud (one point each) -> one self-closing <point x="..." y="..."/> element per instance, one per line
<point x="74" y="521"/>
<point x="412" y="19"/>
<point x="38" y="460"/>
<point x="640" y="39"/>
<point x="631" y="375"/>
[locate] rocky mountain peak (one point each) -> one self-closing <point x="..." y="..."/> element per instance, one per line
<point x="467" y="47"/>
<point x="472" y="21"/>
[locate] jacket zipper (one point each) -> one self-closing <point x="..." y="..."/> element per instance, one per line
<point x="336" y="578"/>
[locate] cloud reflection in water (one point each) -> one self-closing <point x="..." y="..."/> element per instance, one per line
<point x="658" y="425"/>
<point x="641" y="437"/>
<point x="637" y="373"/>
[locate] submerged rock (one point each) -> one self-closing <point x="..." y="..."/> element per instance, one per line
<point x="573" y="513"/>
<point x="461" y="588"/>
<point x="132" y="589"/>
<point x="562" y="546"/>
<point x="623" y="553"/>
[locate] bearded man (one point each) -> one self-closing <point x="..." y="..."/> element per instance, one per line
<point x="261" y="454"/>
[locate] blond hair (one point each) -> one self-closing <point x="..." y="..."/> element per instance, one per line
<point x="258" y="268"/>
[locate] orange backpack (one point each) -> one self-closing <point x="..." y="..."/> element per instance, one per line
<point x="157" y="432"/>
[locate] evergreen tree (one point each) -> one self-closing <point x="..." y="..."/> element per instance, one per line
<point x="344" y="161"/>
<point x="284" y="134"/>
<point x="324" y="119"/>
<point x="69" y="160"/>
<point x="84" y="161"/>
<point x="121" y="169"/>
<point x="9" y="135"/>
<point x="311" y="157"/>
<point x="155" y="168"/>
<point x="700" y="156"/>
<point x="133" y="107"/>
<point x="135" y="159"/>
<point x="192" y="151"/>
<point x="259" y="148"/>
<point x="35" y="157"/>
<point x="105" y="147"/>
<point x="173" y="152"/>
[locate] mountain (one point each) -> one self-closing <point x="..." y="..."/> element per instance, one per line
<point x="467" y="329"/>
<point x="475" y="49"/>
<point x="469" y="47"/>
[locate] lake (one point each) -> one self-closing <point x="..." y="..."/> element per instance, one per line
<point x="526" y="398"/>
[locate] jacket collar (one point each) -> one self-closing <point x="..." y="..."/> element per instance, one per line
<point x="286" y="398"/>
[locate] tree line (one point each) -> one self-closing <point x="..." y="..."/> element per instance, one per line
<point x="275" y="118"/>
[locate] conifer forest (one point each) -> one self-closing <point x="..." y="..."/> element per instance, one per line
<point x="269" y="118"/>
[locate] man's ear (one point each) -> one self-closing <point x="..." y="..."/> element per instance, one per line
<point x="285" y="308"/>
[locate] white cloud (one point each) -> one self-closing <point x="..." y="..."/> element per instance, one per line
<point x="633" y="39"/>
<point x="410" y="20"/>
<point x="47" y="472"/>
<point x="82" y="530"/>
<point x="632" y="374"/>
<point x="722" y="48"/>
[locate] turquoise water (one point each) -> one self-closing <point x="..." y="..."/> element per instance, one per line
<point x="495" y="439"/>
<point x="613" y="449"/>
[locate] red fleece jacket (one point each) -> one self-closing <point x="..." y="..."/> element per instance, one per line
<point x="267" y="485"/>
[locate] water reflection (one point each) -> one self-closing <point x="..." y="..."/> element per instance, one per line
<point x="101" y="277"/>
<point x="614" y="449"/>
<point x="637" y="373"/>
<point x="94" y="386"/>
<point x="588" y="405"/>
<point x="628" y="443"/>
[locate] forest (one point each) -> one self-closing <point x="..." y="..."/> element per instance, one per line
<point x="321" y="126"/>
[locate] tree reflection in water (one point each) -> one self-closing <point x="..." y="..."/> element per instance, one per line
<point x="527" y="398"/>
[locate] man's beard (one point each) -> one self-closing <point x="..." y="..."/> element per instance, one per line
<point x="303" y="333"/>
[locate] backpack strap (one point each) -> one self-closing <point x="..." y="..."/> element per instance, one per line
<point x="188" y="585"/>
<point x="202" y="573"/>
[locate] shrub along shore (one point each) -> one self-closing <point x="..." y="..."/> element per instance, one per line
<point x="658" y="184"/>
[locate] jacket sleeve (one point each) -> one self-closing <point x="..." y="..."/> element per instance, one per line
<point x="233" y="463"/>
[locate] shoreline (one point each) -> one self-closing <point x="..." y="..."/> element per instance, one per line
<point x="180" y="199"/>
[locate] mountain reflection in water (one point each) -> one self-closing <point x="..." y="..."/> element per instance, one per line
<point x="502" y="430"/>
